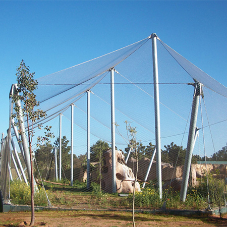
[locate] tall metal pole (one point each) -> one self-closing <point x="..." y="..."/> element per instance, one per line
<point x="23" y="135"/>
<point x="9" y="136"/>
<point x="149" y="168"/>
<point x="88" y="140"/>
<point x="16" y="168"/>
<point x="113" y="132"/>
<point x="2" y="141"/>
<point x="60" y="120"/>
<point x="191" y="140"/>
<point x="10" y="173"/>
<point x="56" y="163"/>
<point x="72" y="123"/>
<point x="157" y="113"/>
<point x="19" y="162"/>
<point x="4" y="167"/>
<point x="17" y="137"/>
<point x="129" y="152"/>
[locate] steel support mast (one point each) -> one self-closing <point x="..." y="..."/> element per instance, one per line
<point x="149" y="168"/>
<point x="113" y="132"/>
<point x="191" y="139"/>
<point x="157" y="113"/>
<point x="18" y="161"/>
<point x="23" y="135"/>
<point x="56" y="164"/>
<point x="88" y="139"/>
<point x="72" y="124"/>
<point x="60" y="125"/>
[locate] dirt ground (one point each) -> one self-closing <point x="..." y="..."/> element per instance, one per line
<point x="105" y="218"/>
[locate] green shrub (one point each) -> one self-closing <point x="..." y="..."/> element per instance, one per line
<point x="195" y="199"/>
<point x="20" y="193"/>
<point x="146" y="198"/>
<point x="95" y="188"/>
<point x="215" y="187"/>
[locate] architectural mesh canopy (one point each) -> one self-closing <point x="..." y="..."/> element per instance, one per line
<point x="134" y="102"/>
<point x="58" y="90"/>
<point x="89" y="72"/>
<point x="196" y="72"/>
<point x="134" y="107"/>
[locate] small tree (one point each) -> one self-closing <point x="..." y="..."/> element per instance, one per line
<point x="131" y="133"/>
<point x="97" y="155"/>
<point x="26" y="85"/>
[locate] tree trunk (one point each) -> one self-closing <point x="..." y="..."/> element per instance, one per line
<point x="134" y="191"/>
<point x="100" y="174"/>
<point x="32" y="178"/>
<point x="32" y="192"/>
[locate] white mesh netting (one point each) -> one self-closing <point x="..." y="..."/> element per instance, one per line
<point x="134" y="103"/>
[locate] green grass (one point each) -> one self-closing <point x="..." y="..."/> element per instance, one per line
<point x="77" y="196"/>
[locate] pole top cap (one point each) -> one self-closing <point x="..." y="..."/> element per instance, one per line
<point x="153" y="35"/>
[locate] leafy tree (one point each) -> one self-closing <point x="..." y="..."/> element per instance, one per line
<point x="149" y="150"/>
<point x="65" y="149"/>
<point x="196" y="158"/>
<point x="26" y="85"/>
<point x="142" y="150"/>
<point x="99" y="147"/>
<point x="80" y="161"/>
<point x="44" y="158"/>
<point x="97" y="151"/>
<point x="174" y="154"/>
<point x="221" y="155"/>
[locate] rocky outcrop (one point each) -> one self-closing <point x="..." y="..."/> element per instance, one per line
<point x="171" y="176"/>
<point x="124" y="175"/>
<point x="168" y="171"/>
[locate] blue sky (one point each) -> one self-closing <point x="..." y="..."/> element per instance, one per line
<point x="54" y="35"/>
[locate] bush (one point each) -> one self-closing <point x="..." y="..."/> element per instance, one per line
<point x="146" y="198"/>
<point x="215" y="187"/>
<point x="195" y="199"/>
<point x="95" y="188"/>
<point x="20" y="193"/>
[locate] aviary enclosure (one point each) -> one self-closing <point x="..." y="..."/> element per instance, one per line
<point x="163" y="118"/>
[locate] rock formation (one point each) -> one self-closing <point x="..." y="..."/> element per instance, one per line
<point x="124" y="176"/>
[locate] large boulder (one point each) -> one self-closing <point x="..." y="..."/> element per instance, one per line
<point x="124" y="176"/>
<point x="168" y="171"/>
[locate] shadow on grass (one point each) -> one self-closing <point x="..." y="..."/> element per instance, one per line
<point x="120" y="217"/>
<point x="217" y="221"/>
<point x="139" y="217"/>
<point x="67" y="188"/>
